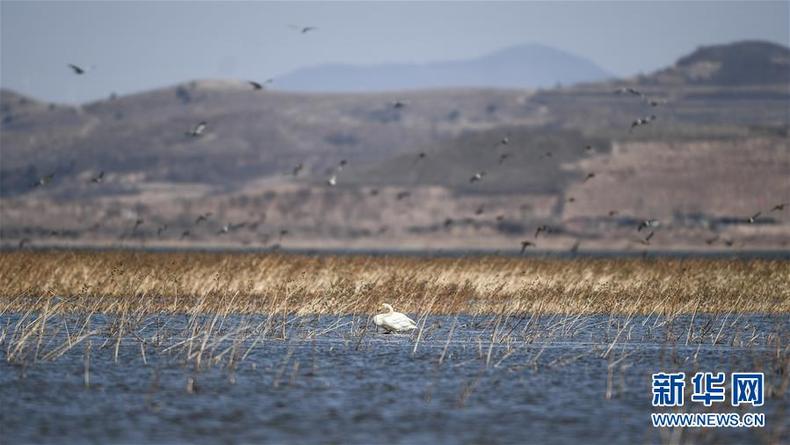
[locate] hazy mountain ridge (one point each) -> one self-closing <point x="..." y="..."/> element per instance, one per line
<point x="524" y="66"/>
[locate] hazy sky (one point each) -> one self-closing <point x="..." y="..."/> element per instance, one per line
<point x="139" y="45"/>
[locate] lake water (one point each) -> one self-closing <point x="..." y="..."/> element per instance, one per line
<point x="549" y="379"/>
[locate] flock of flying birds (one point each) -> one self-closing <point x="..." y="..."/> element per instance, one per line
<point x="648" y="225"/>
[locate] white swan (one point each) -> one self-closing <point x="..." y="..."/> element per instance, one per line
<point x="392" y="321"/>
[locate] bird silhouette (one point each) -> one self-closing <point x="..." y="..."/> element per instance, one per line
<point x="77" y="70"/>
<point x="754" y="217"/>
<point x="646" y="241"/>
<point x="543" y="228"/>
<point x="503" y="157"/>
<point x="198" y="130"/>
<point x="161" y="229"/>
<point x="525" y="244"/>
<point x="297" y="169"/>
<point x="44" y="180"/>
<point x="642" y="121"/>
<point x="478" y="176"/>
<point x="203" y="217"/>
<point x="398" y="104"/>
<point x="589" y="176"/>
<point x="779" y="207"/>
<point x="303" y="29"/>
<point x="99" y="178"/>
<point x="332" y="181"/>
<point x="185" y="234"/>
<point x="646" y="224"/>
<point x="259" y="86"/>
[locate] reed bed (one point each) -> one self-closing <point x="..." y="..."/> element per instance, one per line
<point x="144" y="283"/>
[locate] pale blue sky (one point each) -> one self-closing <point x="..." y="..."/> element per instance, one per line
<point x="137" y="45"/>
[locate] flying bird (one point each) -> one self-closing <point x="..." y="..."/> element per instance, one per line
<point x="397" y="104"/>
<point x="710" y="241"/>
<point x="402" y="195"/>
<point x="98" y="179"/>
<point x="77" y="70"/>
<point x="478" y="176"/>
<point x="780" y="207"/>
<point x="258" y="85"/>
<point x="589" y="176"/>
<point x="613" y="212"/>
<point x="543" y="228"/>
<point x="646" y="241"/>
<point x="480" y="210"/>
<point x="525" y="244"/>
<point x="297" y="169"/>
<point x="503" y="157"/>
<point x="303" y="29"/>
<point x="754" y="217"/>
<point x="642" y="121"/>
<point x="504" y="141"/>
<point x="199" y="129"/>
<point x="332" y="181"/>
<point x="161" y="229"/>
<point x="648" y="223"/>
<point x="44" y="180"/>
<point x="185" y="234"/>
<point x="203" y="217"/>
<point x="629" y="90"/>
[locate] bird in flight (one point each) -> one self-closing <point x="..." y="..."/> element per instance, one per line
<point x="203" y="217"/>
<point x="478" y="176"/>
<point x="647" y="224"/>
<point x="754" y="217"/>
<point x="259" y="86"/>
<point x="613" y="212"/>
<point x="780" y="207"/>
<point x="98" y="179"/>
<point x="629" y="90"/>
<point x="44" y="180"/>
<point x="161" y="229"/>
<point x="710" y="241"/>
<point x="199" y="129"/>
<point x="332" y="181"/>
<point x="646" y="241"/>
<point x="303" y="29"/>
<point x="480" y="210"/>
<point x="77" y="70"/>
<point x="642" y="121"/>
<point x="589" y="176"/>
<point x="397" y="104"/>
<point x="185" y="234"/>
<point x="525" y="244"/>
<point x="588" y="147"/>
<point x="402" y="195"/>
<point x="504" y="141"/>
<point x="543" y="228"/>
<point x="297" y="169"/>
<point x="503" y="157"/>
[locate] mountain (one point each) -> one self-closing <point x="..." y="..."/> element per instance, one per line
<point x="524" y="66"/>
<point x="734" y="64"/>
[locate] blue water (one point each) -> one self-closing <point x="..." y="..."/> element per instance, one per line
<point x="335" y="380"/>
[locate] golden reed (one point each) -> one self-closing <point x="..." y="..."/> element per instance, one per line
<point x="247" y="283"/>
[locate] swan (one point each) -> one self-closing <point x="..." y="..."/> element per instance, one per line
<point x="393" y="321"/>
